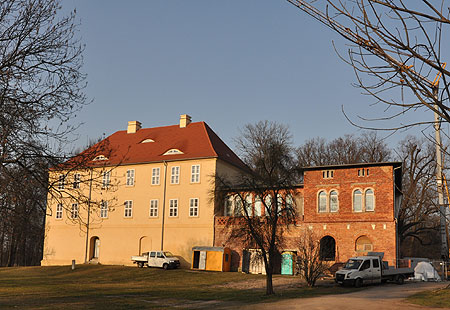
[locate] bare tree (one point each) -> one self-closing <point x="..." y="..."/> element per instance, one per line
<point x="311" y="266"/>
<point x="266" y="148"/>
<point x="397" y="50"/>
<point x="419" y="212"/>
<point x="41" y="88"/>
<point x="343" y="150"/>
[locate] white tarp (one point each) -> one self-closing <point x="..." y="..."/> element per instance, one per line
<point x="424" y="271"/>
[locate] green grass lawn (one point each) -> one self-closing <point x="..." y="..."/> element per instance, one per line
<point x="119" y="287"/>
<point x="437" y="298"/>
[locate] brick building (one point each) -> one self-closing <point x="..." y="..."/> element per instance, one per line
<point x="351" y="208"/>
<point x="151" y="189"/>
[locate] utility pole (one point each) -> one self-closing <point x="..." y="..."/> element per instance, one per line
<point x="442" y="206"/>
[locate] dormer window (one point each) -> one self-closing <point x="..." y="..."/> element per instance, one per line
<point x="147" y="140"/>
<point x="173" y="152"/>
<point x="100" y="157"/>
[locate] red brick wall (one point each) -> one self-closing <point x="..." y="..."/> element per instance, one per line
<point x="345" y="226"/>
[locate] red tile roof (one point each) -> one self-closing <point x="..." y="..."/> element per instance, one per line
<point x="197" y="140"/>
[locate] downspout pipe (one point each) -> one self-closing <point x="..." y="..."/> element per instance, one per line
<point x="88" y="217"/>
<point x="163" y="205"/>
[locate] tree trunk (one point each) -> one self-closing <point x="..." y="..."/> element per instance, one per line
<point x="269" y="284"/>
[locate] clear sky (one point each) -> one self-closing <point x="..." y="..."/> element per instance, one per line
<point x="227" y="63"/>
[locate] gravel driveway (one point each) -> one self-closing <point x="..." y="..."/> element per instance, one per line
<point x="377" y="297"/>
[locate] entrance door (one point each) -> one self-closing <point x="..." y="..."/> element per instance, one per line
<point x="202" y="262"/>
<point x="96" y="248"/>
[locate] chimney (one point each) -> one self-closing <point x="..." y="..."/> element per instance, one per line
<point x="184" y="120"/>
<point x="133" y="126"/>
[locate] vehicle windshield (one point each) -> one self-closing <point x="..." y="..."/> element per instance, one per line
<point x="168" y="254"/>
<point x="353" y="264"/>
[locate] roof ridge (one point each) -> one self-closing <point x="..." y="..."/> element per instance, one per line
<point x="209" y="138"/>
<point x="159" y="127"/>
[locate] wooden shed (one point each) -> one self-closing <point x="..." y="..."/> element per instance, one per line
<point x="211" y="258"/>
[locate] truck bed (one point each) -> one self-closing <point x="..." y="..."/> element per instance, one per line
<point x="396" y="271"/>
<point x="139" y="258"/>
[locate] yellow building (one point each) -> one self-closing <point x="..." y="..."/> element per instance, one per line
<point x="137" y="190"/>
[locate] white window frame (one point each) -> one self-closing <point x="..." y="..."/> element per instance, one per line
<point x="330" y="202"/>
<point x="289" y="202"/>
<point x="59" y="211"/>
<point x="373" y="200"/>
<point x="153" y="212"/>
<point x="76" y="180"/>
<point x="104" y="209"/>
<point x="228" y="206"/>
<point x="193" y="207"/>
<point x="195" y="174"/>
<point x="354" y="200"/>
<point x="74" y="211"/>
<point x="156" y="172"/>
<point x="128" y="209"/>
<point x="258" y="206"/>
<point x="248" y="205"/>
<point x="106" y="179"/>
<point x="61" y="181"/>
<point x="268" y="201"/>
<point x="327" y="174"/>
<point x="175" y="175"/>
<point x="320" y="201"/>
<point x="173" y="208"/>
<point x="130" y="177"/>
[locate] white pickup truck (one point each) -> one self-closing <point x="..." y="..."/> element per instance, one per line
<point x="371" y="269"/>
<point x="162" y="259"/>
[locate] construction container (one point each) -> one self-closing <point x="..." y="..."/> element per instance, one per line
<point x="211" y="258"/>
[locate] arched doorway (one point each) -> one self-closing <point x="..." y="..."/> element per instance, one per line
<point x="327" y="249"/>
<point x="94" y="248"/>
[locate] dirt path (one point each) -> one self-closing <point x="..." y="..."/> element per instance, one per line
<point x="385" y="297"/>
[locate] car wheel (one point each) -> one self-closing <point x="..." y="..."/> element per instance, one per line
<point x="399" y="280"/>
<point x="165" y="266"/>
<point x="140" y="264"/>
<point x="358" y="282"/>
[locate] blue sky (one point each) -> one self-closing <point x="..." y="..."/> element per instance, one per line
<point x="227" y="63"/>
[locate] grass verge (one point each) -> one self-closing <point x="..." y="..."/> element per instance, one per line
<point x="437" y="298"/>
<point x="119" y="287"/>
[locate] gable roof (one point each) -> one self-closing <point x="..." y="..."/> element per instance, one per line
<point x="195" y="141"/>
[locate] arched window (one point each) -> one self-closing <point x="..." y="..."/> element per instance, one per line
<point x="322" y="202"/>
<point x="327" y="250"/>
<point x="357" y="201"/>
<point x="268" y="203"/>
<point x="228" y="210"/>
<point x="363" y="244"/>
<point x="249" y="204"/>
<point x="289" y="201"/>
<point x="258" y="205"/>
<point x="238" y="206"/>
<point x="334" y="201"/>
<point x="369" y="200"/>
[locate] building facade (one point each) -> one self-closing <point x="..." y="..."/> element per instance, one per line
<point x="138" y="190"/>
<point x="352" y="209"/>
<point x="154" y="189"/>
